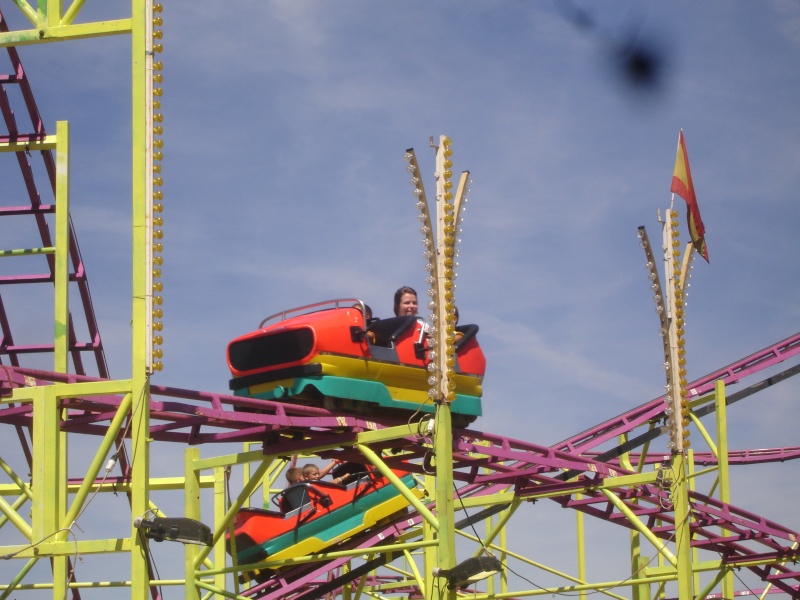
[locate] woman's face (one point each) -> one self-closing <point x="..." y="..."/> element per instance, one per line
<point x="408" y="305"/>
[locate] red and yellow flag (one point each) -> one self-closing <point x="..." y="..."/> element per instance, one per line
<point x="683" y="186"/>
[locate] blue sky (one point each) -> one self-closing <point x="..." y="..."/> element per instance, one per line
<point x="285" y="126"/>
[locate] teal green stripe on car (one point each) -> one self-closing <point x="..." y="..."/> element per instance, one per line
<point x="366" y="391"/>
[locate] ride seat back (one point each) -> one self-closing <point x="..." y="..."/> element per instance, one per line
<point x="294" y="497"/>
<point x="469" y="357"/>
<point x="469" y="331"/>
<point x="299" y="494"/>
<point x="388" y="330"/>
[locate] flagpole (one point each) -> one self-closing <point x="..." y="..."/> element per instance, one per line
<point x="672" y="199"/>
<point x="688" y="255"/>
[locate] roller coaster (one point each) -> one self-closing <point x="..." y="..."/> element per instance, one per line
<point x="330" y="353"/>
<point x="612" y="474"/>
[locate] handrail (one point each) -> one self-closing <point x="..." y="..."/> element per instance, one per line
<point x="335" y="303"/>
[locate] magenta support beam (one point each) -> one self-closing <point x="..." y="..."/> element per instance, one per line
<point x="18" y="79"/>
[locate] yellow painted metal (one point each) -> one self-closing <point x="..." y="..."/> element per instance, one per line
<point x="403" y="382"/>
<point x="48" y="484"/>
<point x="443" y="450"/>
<point x="630" y="480"/>
<point x="221" y="476"/>
<point x="141" y="45"/>
<point x="18" y="483"/>
<point x="49" y="487"/>
<point x="229" y="459"/>
<point x="429" y="553"/>
<point x="443" y="427"/>
<point x="537" y="565"/>
<point x="418" y="578"/>
<point x="94" y="468"/>
<point x="28" y="251"/>
<point x="14" y="584"/>
<point x="61" y="333"/>
<point x="68" y="548"/>
<point x="503" y="558"/>
<point x="221" y="521"/>
<point x="46" y="477"/>
<point x="191" y="510"/>
<point x="494" y="530"/>
<point x="71" y="390"/>
<point x="691" y="473"/>
<point x="683" y="551"/>
<point x="11" y="514"/>
<point x="659" y="545"/>
<point x="48" y="143"/>
<point x="27" y="10"/>
<point x="580" y="545"/>
<point x="638" y="565"/>
<point x="392" y="548"/>
<point x="383" y="435"/>
<point x="722" y="460"/>
<point x="51" y="27"/>
<point x="492" y="500"/>
<point x="638" y="562"/>
<point x="720" y="575"/>
<point x="384" y="470"/>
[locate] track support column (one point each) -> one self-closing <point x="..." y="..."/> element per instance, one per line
<point x="141" y="13"/>
<point x="683" y="537"/>
<point x="722" y="461"/>
<point x="443" y="445"/>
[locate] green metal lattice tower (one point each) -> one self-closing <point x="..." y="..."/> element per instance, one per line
<point x="53" y="514"/>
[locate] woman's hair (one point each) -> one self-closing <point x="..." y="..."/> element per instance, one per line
<point x="398" y="295"/>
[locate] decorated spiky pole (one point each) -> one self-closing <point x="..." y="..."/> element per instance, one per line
<point x="670" y="301"/>
<point x="440" y="239"/>
<point x="670" y="307"/>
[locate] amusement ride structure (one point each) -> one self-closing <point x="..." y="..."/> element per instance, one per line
<point x="467" y="488"/>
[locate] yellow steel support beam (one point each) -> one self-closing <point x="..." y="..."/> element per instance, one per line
<point x="61" y="332"/>
<point x="141" y="84"/>
<point x="48" y="477"/>
<point x="640" y="526"/>
<point x="221" y="475"/>
<point x="683" y="537"/>
<point x="94" y="468"/>
<point x="50" y="521"/>
<point x="384" y="470"/>
<point x="11" y="514"/>
<point x="191" y="510"/>
<point x="51" y="24"/>
<point x="47" y="143"/>
<point x="722" y="461"/>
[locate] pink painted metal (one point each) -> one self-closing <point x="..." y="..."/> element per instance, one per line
<point x="16" y="85"/>
<point x="484" y="464"/>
